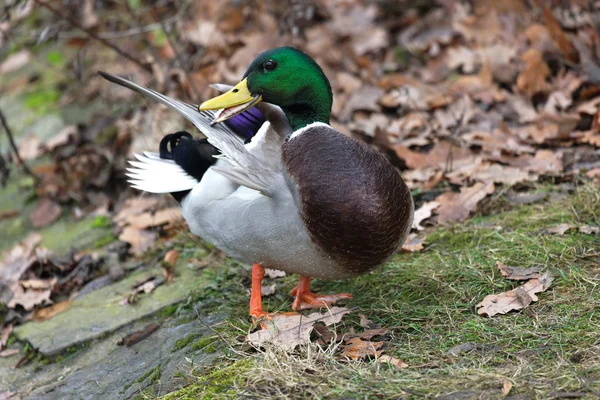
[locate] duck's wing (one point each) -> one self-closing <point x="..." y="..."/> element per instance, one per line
<point x="245" y="166"/>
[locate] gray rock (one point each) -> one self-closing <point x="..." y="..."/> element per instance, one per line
<point x="99" y="312"/>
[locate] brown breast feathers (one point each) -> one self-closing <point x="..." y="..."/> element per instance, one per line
<point x="355" y="205"/>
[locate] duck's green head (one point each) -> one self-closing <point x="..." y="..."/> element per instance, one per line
<point x="286" y="77"/>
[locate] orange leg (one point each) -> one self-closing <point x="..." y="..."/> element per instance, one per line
<point x="306" y="299"/>
<point x="258" y="273"/>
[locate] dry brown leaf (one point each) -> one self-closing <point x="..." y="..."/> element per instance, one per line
<point x="30" y="148"/>
<point x="46" y="313"/>
<point x="140" y="240"/>
<point x="19" y="258"/>
<point x="396" y="362"/>
<point x="288" y="331"/>
<point x="437" y="157"/>
<point x="5" y="334"/>
<point x="558" y="36"/>
<point x="28" y="299"/>
<point x="498" y="173"/>
<point x="544" y="162"/>
<point x="368" y="334"/>
<point x="38" y="284"/>
<point x="62" y="137"/>
<point x="5" y="395"/>
<point x="506" y="387"/>
<point x="138" y="336"/>
<point x="9" y="352"/>
<point x="424" y="212"/>
<point x="455" y="207"/>
<point x="15" y="61"/>
<point x="145" y="286"/>
<point x="367" y="323"/>
<point x="413" y="243"/>
<point x="46" y="212"/>
<point x="365" y="99"/>
<point x="325" y="335"/>
<point x="135" y="206"/>
<point x="560" y="229"/>
<point x="148" y="219"/>
<point x="8" y="214"/>
<point x="514" y="299"/>
<point x="517" y="273"/>
<point x="589" y="229"/>
<point x="357" y="349"/>
<point x="532" y="78"/>
<point x="169" y="264"/>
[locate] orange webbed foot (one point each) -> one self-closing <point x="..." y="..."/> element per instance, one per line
<point x="306" y="299"/>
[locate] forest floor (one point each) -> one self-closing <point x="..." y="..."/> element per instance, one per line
<point x="489" y="112"/>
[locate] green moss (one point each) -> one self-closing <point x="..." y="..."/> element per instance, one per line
<point x="101" y="221"/>
<point x="184" y="342"/>
<point x="219" y="382"/>
<point x="151" y="377"/>
<point x="205" y="344"/>
<point x="55" y="58"/>
<point x="168" y="311"/>
<point x="42" y="100"/>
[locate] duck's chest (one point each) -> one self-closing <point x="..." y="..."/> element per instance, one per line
<point x="354" y="204"/>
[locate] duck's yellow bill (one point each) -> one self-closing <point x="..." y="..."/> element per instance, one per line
<point x="237" y="96"/>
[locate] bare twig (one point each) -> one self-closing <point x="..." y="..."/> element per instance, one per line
<point x="195" y="90"/>
<point x="93" y="35"/>
<point x="15" y="148"/>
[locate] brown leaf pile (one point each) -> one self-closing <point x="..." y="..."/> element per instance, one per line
<point x="31" y="278"/>
<point x="288" y="331"/>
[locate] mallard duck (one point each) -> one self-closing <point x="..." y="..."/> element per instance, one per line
<point x="274" y="185"/>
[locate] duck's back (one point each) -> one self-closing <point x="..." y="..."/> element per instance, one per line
<point x="354" y="204"/>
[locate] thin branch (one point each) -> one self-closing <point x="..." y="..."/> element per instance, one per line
<point x="93" y="35"/>
<point x="15" y="148"/>
<point x="195" y="90"/>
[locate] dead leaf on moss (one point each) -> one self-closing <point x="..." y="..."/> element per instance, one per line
<point x="30" y="148"/>
<point x="46" y="313"/>
<point x="18" y="260"/>
<point x="560" y="229"/>
<point x="168" y="265"/>
<point x="29" y="298"/>
<point x="413" y="244"/>
<point x="455" y="207"/>
<point x="357" y="349"/>
<point x="138" y="336"/>
<point x="9" y="352"/>
<point x="288" y="331"/>
<point x="424" y="212"/>
<point x="515" y="299"/>
<point x="46" y="212"/>
<point x="518" y="273"/>
<point x="5" y="334"/>
<point x="8" y="214"/>
<point x="148" y="219"/>
<point x="144" y="286"/>
<point x="140" y="240"/>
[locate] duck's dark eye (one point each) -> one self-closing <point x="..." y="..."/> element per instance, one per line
<point x="269" y="65"/>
